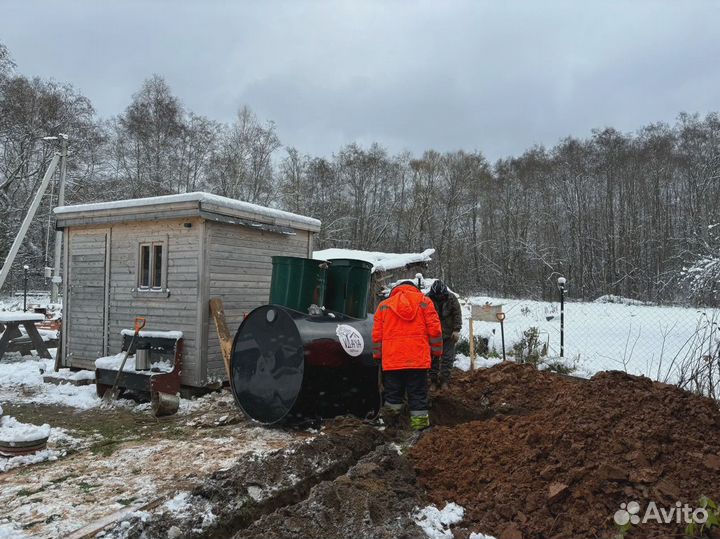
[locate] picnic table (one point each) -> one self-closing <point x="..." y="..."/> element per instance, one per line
<point x="10" y="323"/>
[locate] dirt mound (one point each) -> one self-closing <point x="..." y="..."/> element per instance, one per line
<point x="505" y="389"/>
<point x="565" y="454"/>
<point x="374" y="499"/>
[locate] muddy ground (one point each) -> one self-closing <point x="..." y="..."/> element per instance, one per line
<point x="114" y="460"/>
<point x="528" y="454"/>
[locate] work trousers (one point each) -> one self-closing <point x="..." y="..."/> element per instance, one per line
<point x="441" y="367"/>
<point x="406" y="382"/>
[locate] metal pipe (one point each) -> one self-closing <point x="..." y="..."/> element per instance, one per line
<point x="562" y="322"/>
<point x="28" y="219"/>
<point x="25" y="278"/>
<point x="57" y="277"/>
<point x="502" y="335"/>
<point x="561" y="286"/>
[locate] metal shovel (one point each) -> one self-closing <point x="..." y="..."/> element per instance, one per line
<point x="112" y="394"/>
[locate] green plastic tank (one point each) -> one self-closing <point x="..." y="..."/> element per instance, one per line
<point x="348" y="287"/>
<point x="298" y="283"/>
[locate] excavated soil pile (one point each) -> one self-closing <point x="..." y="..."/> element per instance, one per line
<point x="558" y="456"/>
<point x="506" y="389"/>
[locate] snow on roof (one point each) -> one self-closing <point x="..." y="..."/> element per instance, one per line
<point x="380" y="261"/>
<point x="201" y="198"/>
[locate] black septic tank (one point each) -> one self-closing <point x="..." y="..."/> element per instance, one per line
<point x="288" y="365"/>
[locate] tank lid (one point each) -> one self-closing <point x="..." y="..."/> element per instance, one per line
<point x="350" y="262"/>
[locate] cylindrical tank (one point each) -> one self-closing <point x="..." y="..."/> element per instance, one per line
<point x="287" y="365"/>
<point x="348" y="286"/>
<point x="297" y="283"/>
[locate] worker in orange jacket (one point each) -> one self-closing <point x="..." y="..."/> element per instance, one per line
<point x="405" y="333"/>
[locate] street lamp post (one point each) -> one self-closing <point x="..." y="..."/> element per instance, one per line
<point x="561" y="286"/>
<point x="26" y="268"/>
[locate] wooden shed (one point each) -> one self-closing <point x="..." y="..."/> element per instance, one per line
<point x="163" y="258"/>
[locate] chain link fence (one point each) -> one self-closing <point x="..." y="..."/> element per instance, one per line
<point x="672" y="344"/>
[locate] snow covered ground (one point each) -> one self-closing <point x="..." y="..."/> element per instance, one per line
<point x="608" y="334"/>
<point x="81" y="488"/>
<point x="21" y="381"/>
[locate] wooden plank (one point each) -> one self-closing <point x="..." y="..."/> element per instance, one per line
<point x="226" y="339"/>
<point x="92" y="529"/>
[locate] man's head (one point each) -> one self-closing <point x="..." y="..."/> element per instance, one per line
<point x="438" y="290"/>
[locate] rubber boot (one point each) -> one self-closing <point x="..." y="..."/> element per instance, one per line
<point x="419" y="422"/>
<point x="392" y="416"/>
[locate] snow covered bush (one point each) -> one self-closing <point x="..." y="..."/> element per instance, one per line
<point x="702" y="280"/>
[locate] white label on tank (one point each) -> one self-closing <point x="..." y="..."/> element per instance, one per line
<point x="350" y="339"/>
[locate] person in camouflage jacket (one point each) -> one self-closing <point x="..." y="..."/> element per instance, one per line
<point x="450" y="313"/>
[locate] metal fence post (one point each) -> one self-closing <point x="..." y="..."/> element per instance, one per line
<point x="561" y="286"/>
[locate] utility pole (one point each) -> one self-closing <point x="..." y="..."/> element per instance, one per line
<point x="28" y="218"/>
<point x="57" y="277"/>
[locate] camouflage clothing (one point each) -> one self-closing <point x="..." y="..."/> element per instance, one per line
<point x="450" y="313"/>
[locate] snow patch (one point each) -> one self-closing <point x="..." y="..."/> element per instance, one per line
<point x="179" y="503"/>
<point x="436" y="522"/>
<point x="154" y="334"/>
<point x="639" y="339"/>
<point x="113" y="363"/>
<point x="20" y="316"/>
<point x="185" y="505"/>
<point x="22" y="382"/>
<point x="462" y="362"/>
<point x="25" y="460"/>
<point x="611" y="298"/>
<point x="13" y="431"/>
<point x="67" y="374"/>
<point x="8" y="530"/>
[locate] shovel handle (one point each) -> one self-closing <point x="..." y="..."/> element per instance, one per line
<point x="139" y="324"/>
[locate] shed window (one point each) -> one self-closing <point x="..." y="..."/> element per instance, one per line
<point x="151" y="266"/>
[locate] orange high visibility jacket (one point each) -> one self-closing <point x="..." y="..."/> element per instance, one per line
<point x="406" y="330"/>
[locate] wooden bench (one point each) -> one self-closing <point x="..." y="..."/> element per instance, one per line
<point x="148" y="382"/>
<point x="12" y="339"/>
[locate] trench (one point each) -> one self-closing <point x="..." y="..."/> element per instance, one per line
<point x="345" y="451"/>
<point x="261" y="485"/>
<point x="261" y="494"/>
<point x="349" y="447"/>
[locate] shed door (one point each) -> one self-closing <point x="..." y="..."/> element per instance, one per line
<point x="86" y="323"/>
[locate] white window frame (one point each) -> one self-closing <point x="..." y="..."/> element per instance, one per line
<point x="163" y="244"/>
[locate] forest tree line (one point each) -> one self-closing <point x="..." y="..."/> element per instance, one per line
<point x="615" y="213"/>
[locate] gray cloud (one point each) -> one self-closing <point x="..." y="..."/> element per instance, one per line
<point x="492" y="76"/>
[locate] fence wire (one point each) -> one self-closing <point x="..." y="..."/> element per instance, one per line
<point x="673" y="344"/>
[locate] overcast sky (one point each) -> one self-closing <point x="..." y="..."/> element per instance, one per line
<point x="492" y="76"/>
